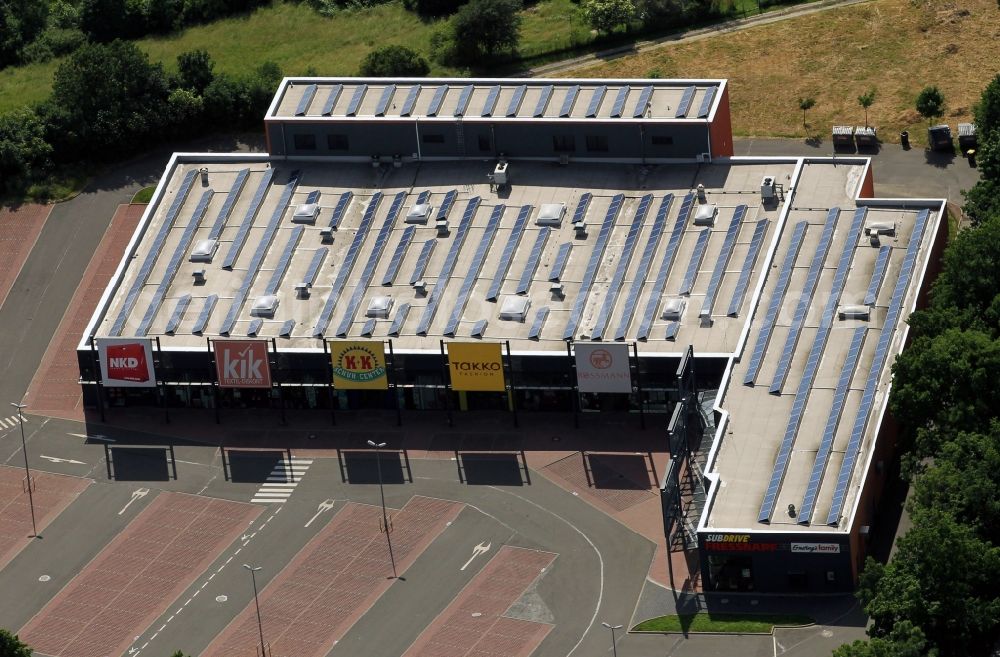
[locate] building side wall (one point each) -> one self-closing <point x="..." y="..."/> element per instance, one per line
<point x="721" y="127"/>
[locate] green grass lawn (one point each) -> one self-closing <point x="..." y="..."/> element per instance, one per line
<point x="144" y="195"/>
<point x="731" y="623"/>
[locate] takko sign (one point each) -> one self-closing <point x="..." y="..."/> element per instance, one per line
<point x="359" y="365"/>
<point x="126" y="362"/>
<point x="242" y="363"/>
<point x="476" y="366"/>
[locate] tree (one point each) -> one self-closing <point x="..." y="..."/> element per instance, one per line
<point x="806" y="104"/>
<point x="930" y="103"/>
<point x="11" y="646"/>
<point x="866" y="100"/>
<point x="485" y="29"/>
<point x="20" y="22"/>
<point x="107" y="20"/>
<point x="606" y="15"/>
<point x="24" y="152"/>
<point x="194" y="70"/>
<point x="988" y="110"/>
<point x="393" y="62"/>
<point x="905" y="640"/>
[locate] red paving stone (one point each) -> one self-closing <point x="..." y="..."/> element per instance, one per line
<point x="55" y="389"/>
<point x="136" y="577"/>
<point x="334" y="580"/>
<point x="456" y="632"/>
<point x="19" y="230"/>
<point x="615" y="482"/>
<point x="52" y="494"/>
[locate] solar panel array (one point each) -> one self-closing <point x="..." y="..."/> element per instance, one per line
<point x="340" y="209"/>
<point x="345" y="268"/>
<point x="777" y="296"/>
<point x="384" y="100"/>
<point x="248" y="217"/>
<point x="355" y="104"/>
<point x="479" y="328"/>
<point x="685" y="105"/>
<point x="314" y="265"/>
<point x="581" y="207"/>
<point x="154" y="252"/>
<point x="227" y="207"/>
<point x="491" y="101"/>
<point x="720" y="265"/>
<point x="436" y="101"/>
<point x="706" y="103"/>
<point x="508" y="252"/>
<point x="516" y="100"/>
<point x="174" y="263"/>
<point x="368" y="327"/>
<point x="425" y="256"/>
<point x="802" y="309"/>
<point x="254" y="328"/>
<point x="543" y="100"/>
<point x="206" y="311"/>
<point x="307" y="96"/>
<point x="258" y="256"/>
<point x="760" y="229"/>
<point x="331" y="99"/>
<point x="370" y="264"/>
<point x="595" y="260"/>
<point x="562" y="257"/>
<point x="671" y="332"/>
<point x="397" y="322"/>
<point x="625" y="257"/>
<point x="286" y="329"/>
<point x="449" y="200"/>
<point x="397" y="255"/>
<point x="643" y="103"/>
<point x="473" y="271"/>
<point x="659" y="223"/>
<point x="175" y="318"/>
<point x="286" y="259"/>
<point x="653" y="301"/>
<point x="567" y="106"/>
<point x="881" y="354"/>
<point x="411" y="100"/>
<point x="696" y="257"/>
<point x="463" y="99"/>
<point x="595" y="100"/>
<point x="536" y="326"/>
<point x="881" y="264"/>
<point x="434" y="300"/>
<point x="531" y="264"/>
<point x="619" y="106"/>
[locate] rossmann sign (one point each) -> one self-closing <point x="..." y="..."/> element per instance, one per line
<point x="242" y="363"/>
<point x="126" y="362"/>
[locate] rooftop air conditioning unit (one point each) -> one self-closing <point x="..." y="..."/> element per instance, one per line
<point x="379" y="307"/>
<point x="855" y="312"/>
<point x="264" y="306"/>
<point x="500" y="174"/>
<point x="767" y="190"/>
<point x="306" y="213"/>
<point x="551" y="214"/>
<point x="418" y="214"/>
<point x="204" y="251"/>
<point x="705" y="215"/>
<point x="514" y="308"/>
<point x="673" y="309"/>
<point x="880" y="228"/>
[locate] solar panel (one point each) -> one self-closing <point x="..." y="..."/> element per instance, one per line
<point x="479" y="328"/>
<point x="812" y="278"/>
<point x="313" y="196"/>
<point x="644" y="263"/>
<point x="562" y="257"/>
<point x="254" y="328"/>
<point x="307" y="96"/>
<point x="696" y="257"/>
<point x="473" y="271"/>
<point x="397" y="255"/>
<point x="581" y="207"/>
<point x="760" y="229"/>
<point x="422" y="260"/>
<point x="359" y="95"/>
<point x="434" y="300"/>
<point x="370" y="264"/>
<point x="174" y="263"/>
<point x="206" y="311"/>
<point x="671" y="332"/>
<point x="706" y="103"/>
<point x="516" y="99"/>
<point x="625" y="257"/>
<point x="345" y="268"/>
<point x="397" y="321"/>
<point x="643" y="103"/>
<point x="595" y="260"/>
<point x="423" y="197"/>
<point x="463" y="99"/>
<point x="340" y="209"/>
<point x="227" y="207"/>
<point x="154" y="252"/>
<point x="314" y="265"/>
<point x="531" y="264"/>
<point x="491" y="101"/>
<point x="331" y="100"/>
<point x="368" y="328"/>
<point x="567" y="106"/>
<point x="436" y="100"/>
<point x="720" y="265"/>
<point x="619" y="106"/>
<point x="258" y="256"/>
<point x="777" y="296"/>
<point x="685" y="104"/>
<point x="286" y="329"/>
<point x="653" y="301"/>
<point x="878" y="362"/>
<point x="543" y="100"/>
<point x="536" y="326"/>
<point x="508" y="252"/>
<point x="175" y="318"/>
<point x="449" y="200"/>
<point x="881" y="263"/>
<point x="830" y="430"/>
<point x="411" y="100"/>
<point x="595" y="101"/>
<point x="247" y="223"/>
<point x="286" y="259"/>
<point x="384" y="100"/>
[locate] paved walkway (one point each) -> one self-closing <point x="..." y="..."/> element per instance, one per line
<point x="19" y="230"/>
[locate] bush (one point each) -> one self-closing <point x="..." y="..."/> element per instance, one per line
<point x="606" y="15"/>
<point x="394" y="61"/>
<point x="486" y="29"/>
<point x="433" y="8"/>
<point x="53" y="42"/>
<point x="24" y="152"/>
<point x="20" y="22"/>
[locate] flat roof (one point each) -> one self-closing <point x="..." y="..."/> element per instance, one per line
<point x="504" y="99"/>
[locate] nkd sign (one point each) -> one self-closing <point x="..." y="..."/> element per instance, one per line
<point x="242" y="363"/>
<point x="602" y="367"/>
<point x="126" y="362"/>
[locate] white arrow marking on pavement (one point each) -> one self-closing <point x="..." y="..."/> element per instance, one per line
<point x="136" y="494"/>
<point x="326" y="505"/>
<point x="56" y="459"/>
<point x="482" y="548"/>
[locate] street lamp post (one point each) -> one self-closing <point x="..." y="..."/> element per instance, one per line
<point x="381" y="489"/>
<point x="614" y="648"/>
<point x="260" y="625"/>
<point x="27" y="470"/>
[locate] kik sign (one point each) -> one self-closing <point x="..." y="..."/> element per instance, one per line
<point x="476" y="366"/>
<point x="359" y="365"/>
<point x="242" y="363"/>
<point x="126" y="362"/>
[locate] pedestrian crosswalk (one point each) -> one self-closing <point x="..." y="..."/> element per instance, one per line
<point x="11" y="422"/>
<point x="285" y="476"/>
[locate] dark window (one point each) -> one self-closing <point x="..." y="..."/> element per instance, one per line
<point x="597" y="143"/>
<point x="305" y="142"/>
<point x="484" y="143"/>
<point x="433" y="138"/>
<point x="563" y="143"/>
<point x="662" y="140"/>
<point x="337" y="142"/>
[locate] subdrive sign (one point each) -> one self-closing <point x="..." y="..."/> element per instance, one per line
<point x="126" y="362"/>
<point x="476" y="366"/>
<point x="359" y="365"/>
<point x="242" y="363"/>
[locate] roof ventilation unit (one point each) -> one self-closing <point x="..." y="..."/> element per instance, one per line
<point x="551" y="214"/>
<point x="306" y="213"/>
<point x="705" y="216"/>
<point x="418" y="214"/>
<point x="855" y="312"/>
<point x="514" y="308"/>
<point x="204" y="251"/>
<point x="673" y="309"/>
<point x="767" y="189"/>
<point x="264" y="306"/>
<point x="379" y="307"/>
<point x="881" y="228"/>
